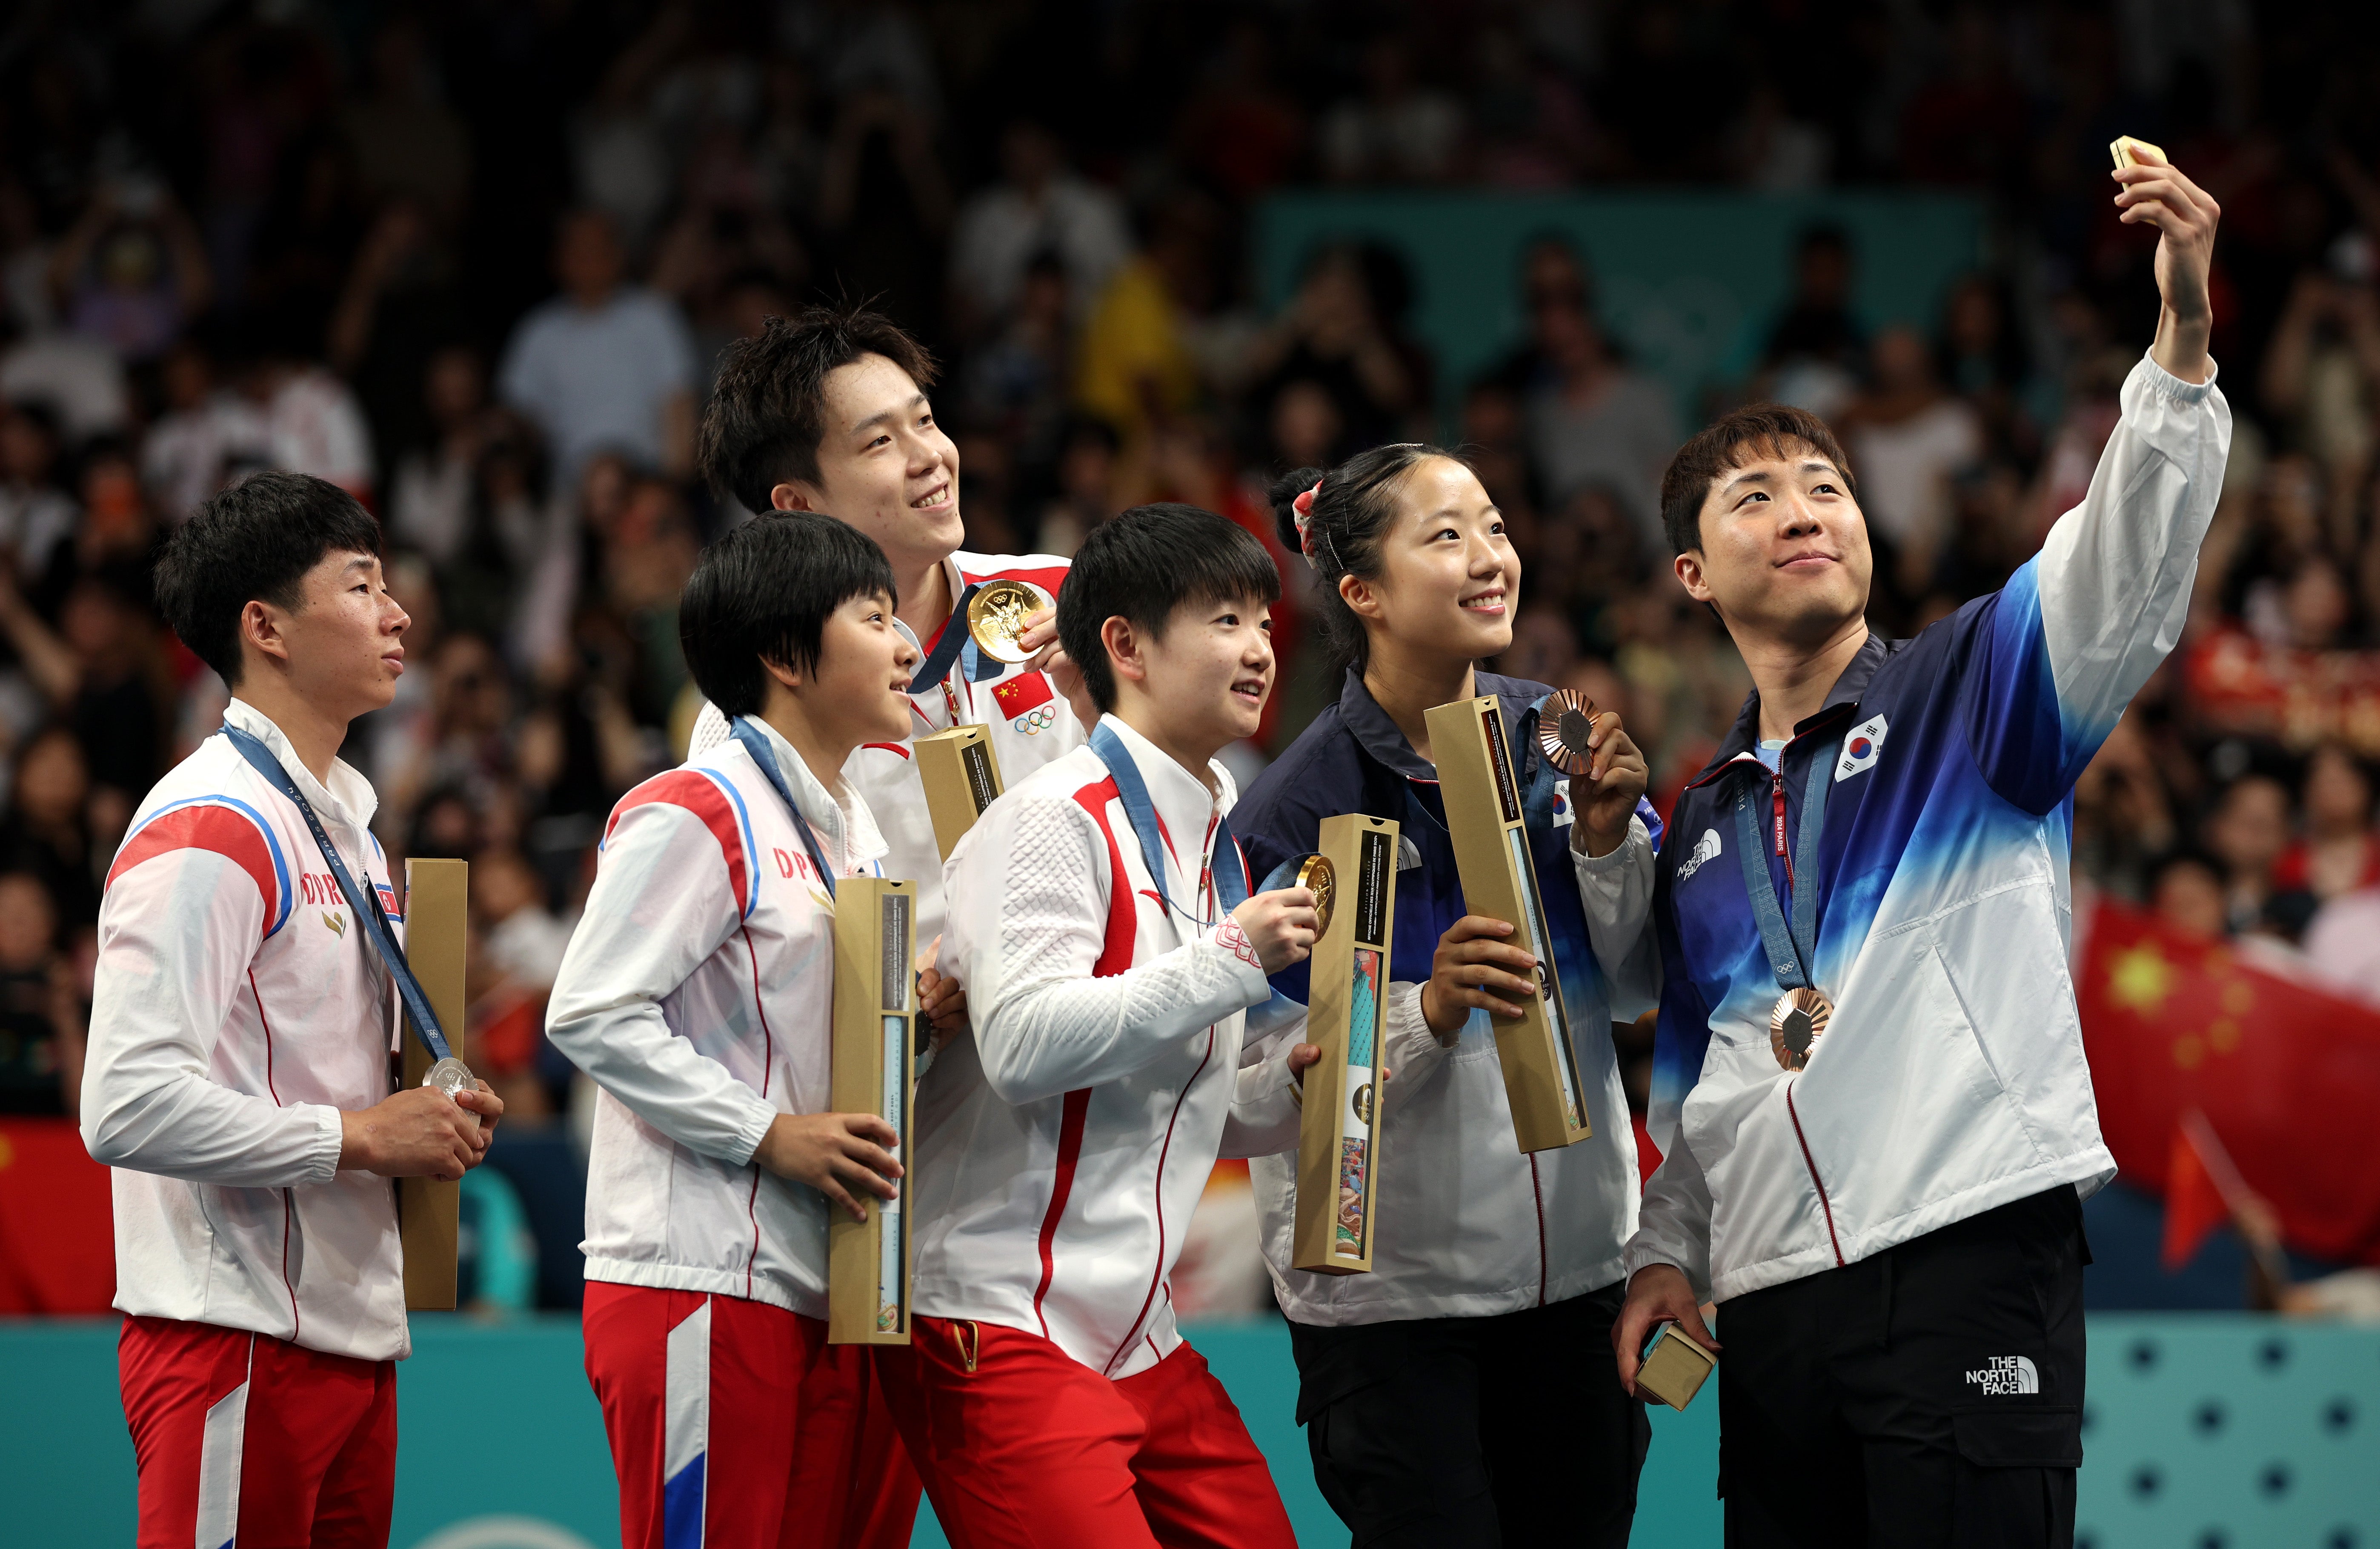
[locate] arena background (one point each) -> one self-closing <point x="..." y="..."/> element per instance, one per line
<point x="473" y="260"/>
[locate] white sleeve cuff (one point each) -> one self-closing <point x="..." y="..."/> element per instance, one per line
<point x="758" y="1116"/>
<point x="330" y="1139"/>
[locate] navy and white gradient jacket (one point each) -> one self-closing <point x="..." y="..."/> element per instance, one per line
<point x="1469" y="1226"/>
<point x="1952" y="1078"/>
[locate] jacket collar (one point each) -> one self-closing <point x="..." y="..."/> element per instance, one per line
<point x="1182" y="804"/>
<point x="346" y="796"/>
<point x="844" y="823"/>
<point x="1378" y="735"/>
<point x="1743" y="739"/>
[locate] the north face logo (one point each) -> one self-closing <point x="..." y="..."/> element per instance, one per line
<point x="1705" y="849"/>
<point x="2004" y="1375"/>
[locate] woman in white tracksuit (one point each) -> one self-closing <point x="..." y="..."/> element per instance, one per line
<point x="1462" y="1392"/>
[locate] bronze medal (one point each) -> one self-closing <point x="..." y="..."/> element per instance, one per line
<point x="1801" y="1015"/>
<point x="996" y="616"/>
<point x="1316" y="874"/>
<point x="1564" y="722"/>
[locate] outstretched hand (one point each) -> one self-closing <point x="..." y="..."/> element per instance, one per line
<point x="2155" y="193"/>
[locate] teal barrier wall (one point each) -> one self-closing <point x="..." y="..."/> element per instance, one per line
<point x="1689" y="282"/>
<point x="2203" y="1430"/>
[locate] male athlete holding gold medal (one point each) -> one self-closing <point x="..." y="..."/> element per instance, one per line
<point x="828" y="411"/>
<point x="1869" y="1082"/>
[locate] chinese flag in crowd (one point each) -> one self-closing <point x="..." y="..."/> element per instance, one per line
<point x="2287" y="1074"/>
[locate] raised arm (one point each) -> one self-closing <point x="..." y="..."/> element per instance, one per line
<point x="2079" y="628"/>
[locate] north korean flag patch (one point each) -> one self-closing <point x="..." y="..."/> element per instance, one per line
<point x="1861" y="748"/>
<point x="1026" y="702"/>
<point x="388" y="901"/>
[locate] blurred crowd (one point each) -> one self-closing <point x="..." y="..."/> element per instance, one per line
<point x="473" y="260"/>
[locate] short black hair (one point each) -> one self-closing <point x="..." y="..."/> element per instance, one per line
<point x="768" y="407"/>
<point x="1144" y="565"/>
<point x="253" y="543"/>
<point x="1755" y="430"/>
<point x="763" y="592"/>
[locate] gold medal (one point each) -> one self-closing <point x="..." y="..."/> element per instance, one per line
<point x="997" y="614"/>
<point x="1564" y="722"/>
<point x="1794" y="1025"/>
<point x="1316" y="874"/>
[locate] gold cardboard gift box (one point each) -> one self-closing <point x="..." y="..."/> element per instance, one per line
<point x="1674" y="1367"/>
<point x="1338" y="1140"/>
<point x="961" y="776"/>
<point x="1481" y="787"/>
<point x="867" y="1261"/>
<point x="437" y="931"/>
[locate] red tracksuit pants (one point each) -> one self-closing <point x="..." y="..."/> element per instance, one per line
<point x="1022" y="1445"/>
<point x="735" y="1425"/>
<point x="243" y="1436"/>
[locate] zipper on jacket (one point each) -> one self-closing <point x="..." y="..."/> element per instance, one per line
<point x="1832" y="1240"/>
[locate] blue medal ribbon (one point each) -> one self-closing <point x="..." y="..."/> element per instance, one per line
<point x="1230" y="886"/>
<point x="756" y="743"/>
<point x="1792" y="949"/>
<point x="365" y="901"/>
<point x="952" y="640"/>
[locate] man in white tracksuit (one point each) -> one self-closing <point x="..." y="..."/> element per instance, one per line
<point x="239" y="1080"/>
<point x="1870" y="1087"/>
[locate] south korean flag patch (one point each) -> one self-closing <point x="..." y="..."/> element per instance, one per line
<point x="1563" y="816"/>
<point x="1861" y="748"/>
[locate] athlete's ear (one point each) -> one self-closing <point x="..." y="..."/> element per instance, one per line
<point x="786" y="676"/>
<point x="1689" y="568"/>
<point x="264" y="628"/>
<point x="1362" y="598"/>
<point x="1127" y="651"/>
<point x="794" y="495"/>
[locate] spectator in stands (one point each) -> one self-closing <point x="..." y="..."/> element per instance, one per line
<point x="1038" y="206"/>
<point x="1337" y="332"/>
<point x="1595" y="421"/>
<point x="2187" y="896"/>
<point x="132" y="271"/>
<point x="604" y="364"/>
<point x="1907" y="437"/>
<point x="1815" y="345"/>
<point x="46" y="832"/>
<point x="36" y="515"/>
<point x="2245" y="835"/>
<point x="1399" y="129"/>
<point x="2338" y="852"/>
<point x="312" y="421"/>
<point x="206" y="433"/>
<point x="42" y="1020"/>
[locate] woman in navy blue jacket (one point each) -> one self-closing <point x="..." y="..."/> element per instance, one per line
<point x="1463" y="1392"/>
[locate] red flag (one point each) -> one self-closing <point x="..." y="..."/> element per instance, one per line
<point x="2194" y="1206"/>
<point x="2289" y="1075"/>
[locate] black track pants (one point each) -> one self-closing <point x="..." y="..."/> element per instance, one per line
<point x="1475" y="1433"/>
<point x="1931" y="1395"/>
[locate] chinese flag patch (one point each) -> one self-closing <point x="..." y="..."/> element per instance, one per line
<point x="1027" y="691"/>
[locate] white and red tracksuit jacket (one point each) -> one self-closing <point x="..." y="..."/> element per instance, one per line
<point x="1060" y="1150"/>
<point x="237" y="1010"/>
<point x="1031" y="726"/>
<point x="696" y="991"/>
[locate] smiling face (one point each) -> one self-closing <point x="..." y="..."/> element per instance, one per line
<point x="1449" y="580"/>
<point x="342" y="649"/>
<point x="1200" y="683"/>
<point x="884" y="466"/>
<point x="1784" y="552"/>
<point x="858" y="692"/>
